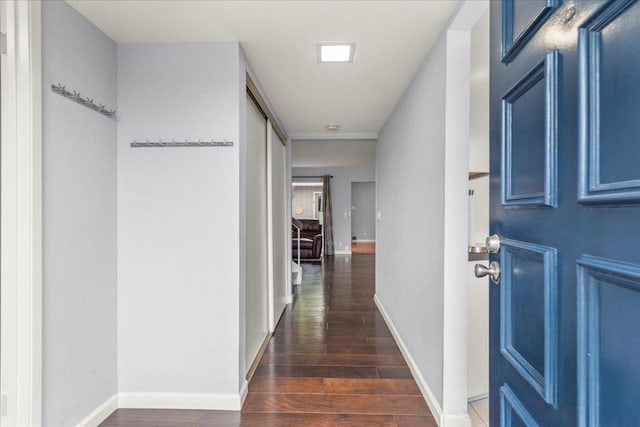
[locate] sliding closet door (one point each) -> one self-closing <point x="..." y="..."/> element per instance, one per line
<point x="257" y="304"/>
<point x="278" y="227"/>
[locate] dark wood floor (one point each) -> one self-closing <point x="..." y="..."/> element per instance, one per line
<point x="331" y="362"/>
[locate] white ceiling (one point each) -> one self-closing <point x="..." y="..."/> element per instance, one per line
<point x="333" y="153"/>
<point x="279" y="38"/>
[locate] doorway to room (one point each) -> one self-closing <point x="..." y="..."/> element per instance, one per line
<point x="363" y="218"/>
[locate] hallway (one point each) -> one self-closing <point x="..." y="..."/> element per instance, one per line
<point x="331" y="362"/>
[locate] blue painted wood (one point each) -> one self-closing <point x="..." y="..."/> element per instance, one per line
<point x="510" y="405"/>
<point x="603" y="286"/>
<point x="541" y="376"/>
<point x="609" y="171"/>
<point x="522" y="135"/>
<point x="605" y="229"/>
<point x="520" y="21"/>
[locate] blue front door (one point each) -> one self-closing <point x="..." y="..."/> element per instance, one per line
<point x="565" y="194"/>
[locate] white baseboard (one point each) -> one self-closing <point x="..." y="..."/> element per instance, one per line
<point x="456" y="421"/>
<point x="342" y="252"/>
<point x="211" y="401"/>
<point x="244" y="390"/>
<point x="478" y="397"/>
<point x="363" y="241"/>
<point x="101" y="413"/>
<point x="428" y="395"/>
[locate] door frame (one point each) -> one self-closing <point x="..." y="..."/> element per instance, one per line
<point x="21" y="213"/>
<point x="456" y="208"/>
<point x="273" y="126"/>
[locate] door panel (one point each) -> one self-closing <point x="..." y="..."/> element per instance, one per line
<point x="565" y="183"/>
<point x="279" y="223"/>
<point x="608" y="342"/>
<point x="609" y="85"/>
<point x="529" y="132"/>
<point x="528" y="303"/>
<point x="257" y="291"/>
<point x="512" y="411"/>
<point x="520" y="21"/>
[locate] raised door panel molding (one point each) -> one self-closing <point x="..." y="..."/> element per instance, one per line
<point x="608" y="342"/>
<point x="609" y="100"/>
<point x="528" y="314"/>
<point x="510" y="405"/>
<point x="520" y="21"/>
<point x="529" y="137"/>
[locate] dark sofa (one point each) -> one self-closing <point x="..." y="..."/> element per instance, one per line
<point x="310" y="239"/>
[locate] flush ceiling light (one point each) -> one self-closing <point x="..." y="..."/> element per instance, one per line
<point x="336" y="52"/>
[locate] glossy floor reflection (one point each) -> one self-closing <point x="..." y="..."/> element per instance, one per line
<point x="331" y="362"/>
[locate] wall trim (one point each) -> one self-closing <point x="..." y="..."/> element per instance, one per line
<point x="333" y="137"/>
<point x="101" y="413"/>
<point x="206" y="401"/>
<point x="258" y="357"/>
<point x="21" y="212"/>
<point x="478" y="397"/>
<point x="342" y="252"/>
<point x="244" y="391"/>
<point x="426" y="391"/>
<point x="363" y="241"/>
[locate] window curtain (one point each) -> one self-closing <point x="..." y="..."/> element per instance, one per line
<point x="327" y="216"/>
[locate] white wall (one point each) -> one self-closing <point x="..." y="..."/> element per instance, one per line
<point x="423" y="148"/>
<point x="179" y="219"/>
<point x="80" y="265"/>
<point x="479" y="117"/>
<point x="341" y="198"/>
<point x="303" y="197"/>
<point x="410" y="197"/>
<point x="478" y="314"/>
<point x="334" y="153"/>
<point x="363" y="210"/>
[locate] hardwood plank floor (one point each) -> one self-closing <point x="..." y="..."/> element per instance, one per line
<point x="331" y="362"/>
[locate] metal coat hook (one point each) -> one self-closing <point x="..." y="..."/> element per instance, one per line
<point x="186" y="143"/>
<point x="87" y="102"/>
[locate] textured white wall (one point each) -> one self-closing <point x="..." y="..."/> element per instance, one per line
<point x="410" y="196"/>
<point x="79" y="161"/>
<point x="179" y="219"/>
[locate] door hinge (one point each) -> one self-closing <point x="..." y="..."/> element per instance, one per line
<point x="3" y="43"/>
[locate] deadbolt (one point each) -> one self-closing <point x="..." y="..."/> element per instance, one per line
<point x="493" y="243"/>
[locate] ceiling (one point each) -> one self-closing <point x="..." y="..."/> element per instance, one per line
<point x="333" y="153"/>
<point x="279" y="38"/>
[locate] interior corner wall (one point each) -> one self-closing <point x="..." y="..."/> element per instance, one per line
<point x="410" y="235"/>
<point x="179" y="220"/>
<point x="79" y="214"/>
<point x="341" y="198"/>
